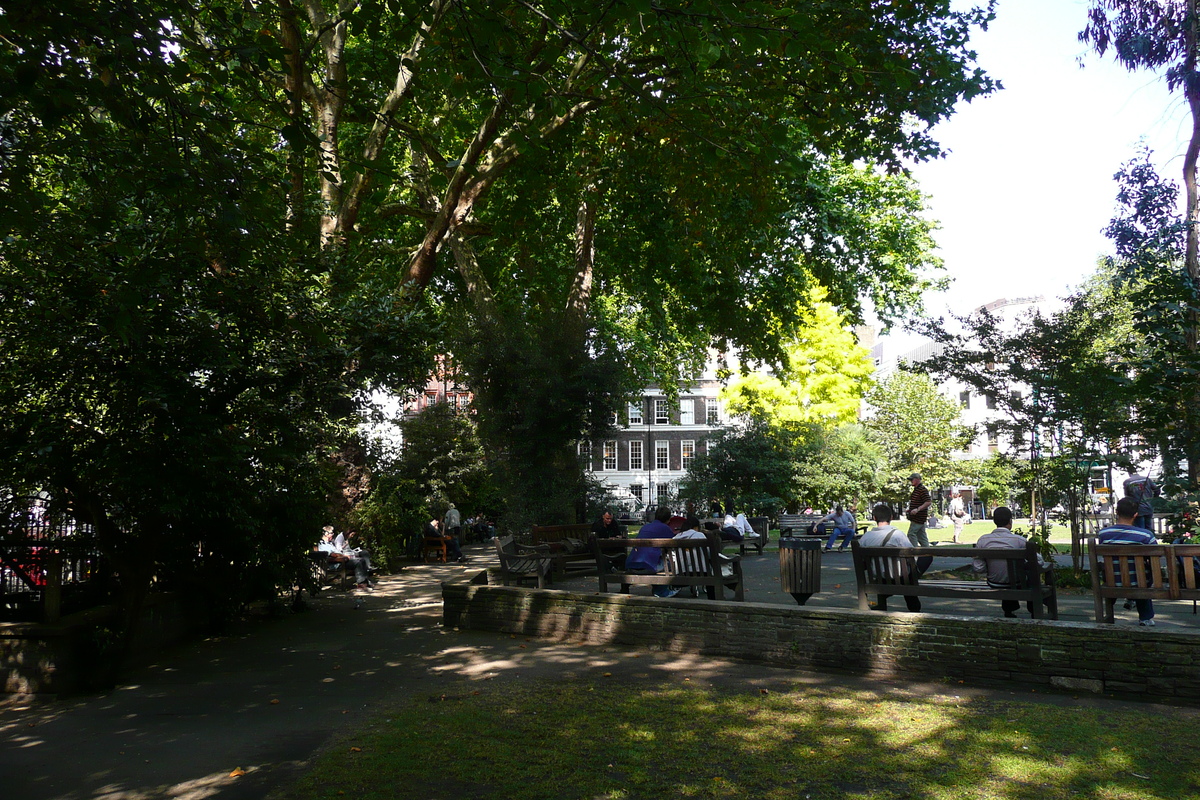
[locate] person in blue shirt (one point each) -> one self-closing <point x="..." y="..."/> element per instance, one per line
<point x="649" y="559"/>
<point x="1125" y="531"/>
<point x="842" y="523"/>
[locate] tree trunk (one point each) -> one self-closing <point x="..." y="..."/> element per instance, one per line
<point x="1192" y="253"/>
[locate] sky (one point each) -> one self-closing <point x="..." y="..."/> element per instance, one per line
<point x="1027" y="186"/>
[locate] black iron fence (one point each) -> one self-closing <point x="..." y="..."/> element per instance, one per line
<point x="49" y="563"/>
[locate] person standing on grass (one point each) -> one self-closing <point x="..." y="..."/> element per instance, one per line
<point x="918" y="511"/>
<point x="958" y="514"/>
<point x="1124" y="531"/>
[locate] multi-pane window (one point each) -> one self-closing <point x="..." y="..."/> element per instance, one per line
<point x="430" y="399"/>
<point x="635" y="454"/>
<point x="585" y="447"/>
<point x="688" y="452"/>
<point x="712" y="413"/>
<point x="663" y="490"/>
<point x="610" y="454"/>
<point x="687" y="411"/>
<point x="662" y="455"/>
<point x="991" y="400"/>
<point x="662" y="412"/>
<point x="635" y="414"/>
<point x="993" y="438"/>
<point x="964" y="398"/>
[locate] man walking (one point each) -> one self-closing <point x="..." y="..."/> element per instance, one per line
<point x="918" y="511"/>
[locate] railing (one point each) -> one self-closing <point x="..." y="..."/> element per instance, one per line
<point x="49" y="563"/>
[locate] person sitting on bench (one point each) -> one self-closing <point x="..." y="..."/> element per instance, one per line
<point x="842" y="523"/>
<point x="996" y="569"/>
<point x="360" y="561"/>
<point x="648" y="560"/>
<point x="884" y="535"/>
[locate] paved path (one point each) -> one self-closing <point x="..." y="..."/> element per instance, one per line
<point x="267" y="696"/>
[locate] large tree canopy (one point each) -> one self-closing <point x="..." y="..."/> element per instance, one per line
<point x="226" y="216"/>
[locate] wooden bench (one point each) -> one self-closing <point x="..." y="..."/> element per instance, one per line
<point x="1142" y="572"/>
<point x="797" y="524"/>
<point x="553" y="536"/>
<point x="433" y="548"/>
<point x="892" y="571"/>
<point x="520" y="563"/>
<point x="327" y="572"/>
<point x="686" y="562"/>
<point x="547" y="534"/>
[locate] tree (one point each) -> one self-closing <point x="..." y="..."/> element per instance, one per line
<point x="839" y="465"/>
<point x="824" y="379"/>
<point x="173" y="371"/>
<point x="993" y="478"/>
<point x="1156" y="306"/>
<point x="443" y="461"/>
<point x="631" y="171"/>
<point x="918" y="430"/>
<point x="750" y="468"/>
<point x="1153" y="34"/>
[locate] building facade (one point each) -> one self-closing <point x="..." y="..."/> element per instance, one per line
<point x="654" y="441"/>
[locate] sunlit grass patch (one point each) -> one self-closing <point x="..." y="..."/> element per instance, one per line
<point x="586" y="739"/>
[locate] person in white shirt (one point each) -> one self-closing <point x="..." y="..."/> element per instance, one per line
<point x="958" y="514"/>
<point x="885" y="535"/>
<point x="360" y="561"/>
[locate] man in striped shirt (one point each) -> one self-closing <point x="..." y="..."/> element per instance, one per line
<point x="918" y="511"/>
<point x="1124" y="531"/>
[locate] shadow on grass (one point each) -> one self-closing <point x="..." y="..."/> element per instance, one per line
<point x="604" y="737"/>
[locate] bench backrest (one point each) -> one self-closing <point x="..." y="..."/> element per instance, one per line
<point x="798" y="523"/>
<point x="896" y="566"/>
<point x="546" y="534"/>
<point x="513" y="561"/>
<point x="874" y="566"/>
<point x="1173" y="568"/>
<point x="680" y="556"/>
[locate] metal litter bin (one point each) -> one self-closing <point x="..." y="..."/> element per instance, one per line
<point x="800" y="567"/>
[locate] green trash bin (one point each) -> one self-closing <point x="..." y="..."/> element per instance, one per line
<point x="800" y="567"/>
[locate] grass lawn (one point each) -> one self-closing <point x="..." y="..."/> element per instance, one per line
<point x="596" y="739"/>
<point x="1059" y="534"/>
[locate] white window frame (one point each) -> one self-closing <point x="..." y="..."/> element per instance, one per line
<point x="609" y="463"/>
<point x="636" y="456"/>
<point x="662" y="411"/>
<point x="687" y="452"/>
<point x="712" y="411"/>
<point x="635" y="414"/>
<point x="585" y="448"/>
<point x="687" y="411"/>
<point x="662" y="455"/>
<point x="661" y="491"/>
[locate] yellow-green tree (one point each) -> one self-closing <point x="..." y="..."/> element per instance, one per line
<point x="826" y="376"/>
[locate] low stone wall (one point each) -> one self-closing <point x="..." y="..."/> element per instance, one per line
<point x="1072" y="656"/>
<point x="78" y="653"/>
